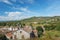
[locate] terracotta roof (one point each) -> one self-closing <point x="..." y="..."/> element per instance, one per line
<point x="9" y="34"/>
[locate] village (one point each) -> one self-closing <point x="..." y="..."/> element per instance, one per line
<point x="19" y="33"/>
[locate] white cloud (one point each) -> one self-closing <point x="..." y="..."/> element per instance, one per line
<point x="23" y="9"/>
<point x="27" y="1"/>
<point x="6" y="1"/>
<point x="13" y="16"/>
<point x="21" y="1"/>
<point x="2" y="18"/>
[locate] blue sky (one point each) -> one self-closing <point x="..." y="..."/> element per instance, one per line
<point x="20" y="9"/>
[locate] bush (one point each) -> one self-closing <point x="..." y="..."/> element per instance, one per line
<point x="49" y="27"/>
<point x="3" y="37"/>
<point x="40" y="31"/>
<point x="58" y="27"/>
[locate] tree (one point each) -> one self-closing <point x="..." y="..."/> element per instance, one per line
<point x="40" y="31"/>
<point x="3" y="37"/>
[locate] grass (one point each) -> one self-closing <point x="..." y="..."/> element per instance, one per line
<point x="51" y="35"/>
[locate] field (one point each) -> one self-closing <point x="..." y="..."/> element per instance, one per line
<point x="51" y="35"/>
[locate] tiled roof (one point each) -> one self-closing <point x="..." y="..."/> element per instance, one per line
<point x="9" y="34"/>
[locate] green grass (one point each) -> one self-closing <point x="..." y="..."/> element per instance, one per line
<point x="51" y="35"/>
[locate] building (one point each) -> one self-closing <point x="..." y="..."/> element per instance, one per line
<point x="18" y="34"/>
<point x="21" y="34"/>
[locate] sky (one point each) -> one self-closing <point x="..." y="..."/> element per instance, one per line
<point x="21" y="9"/>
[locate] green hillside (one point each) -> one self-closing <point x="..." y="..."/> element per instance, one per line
<point x="36" y="21"/>
<point x="51" y="24"/>
<point x="39" y="20"/>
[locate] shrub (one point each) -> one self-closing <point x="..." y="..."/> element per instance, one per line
<point x="3" y="37"/>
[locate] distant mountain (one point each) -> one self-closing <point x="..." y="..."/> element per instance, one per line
<point x="41" y="20"/>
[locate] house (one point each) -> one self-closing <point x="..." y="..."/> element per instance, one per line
<point x="18" y="34"/>
<point x="21" y="34"/>
<point x="28" y="29"/>
<point x="11" y="28"/>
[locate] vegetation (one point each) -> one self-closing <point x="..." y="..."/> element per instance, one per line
<point x="51" y="24"/>
<point x="3" y="37"/>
